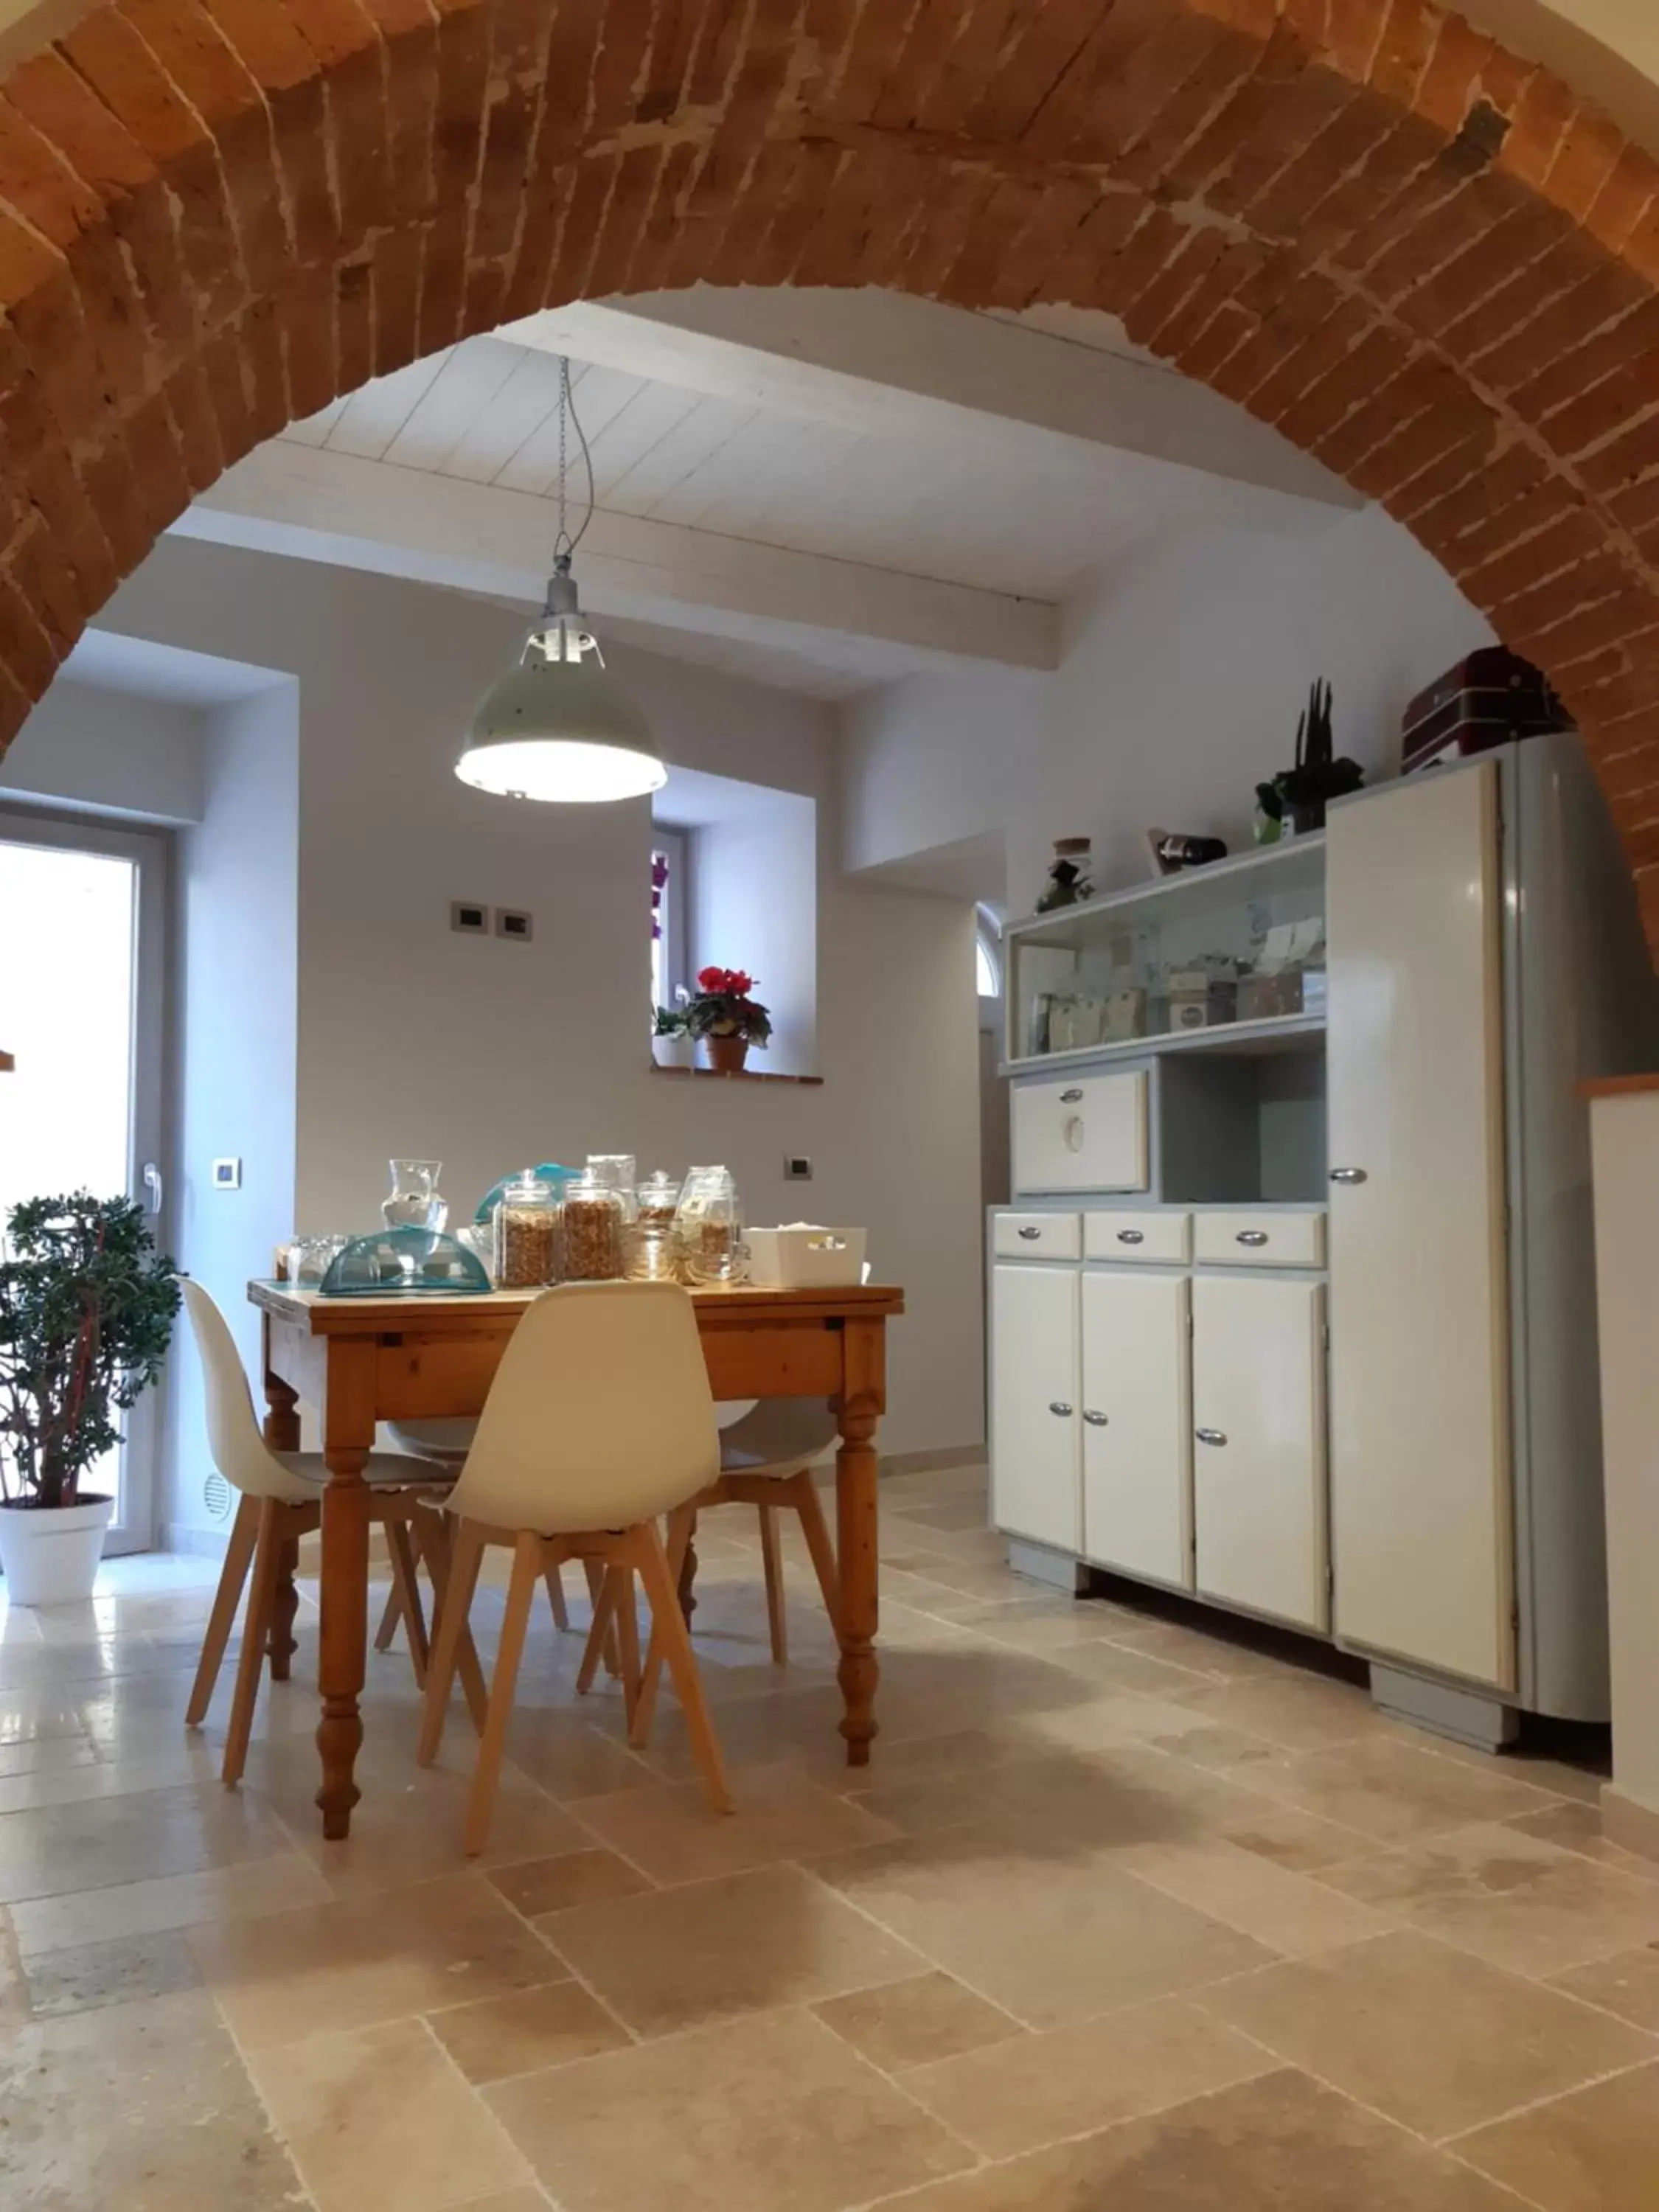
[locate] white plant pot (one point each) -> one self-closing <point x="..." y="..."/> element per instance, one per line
<point x="50" y="1556"/>
<point x="674" y="1051"/>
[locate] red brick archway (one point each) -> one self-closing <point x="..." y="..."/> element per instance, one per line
<point x="1419" y="258"/>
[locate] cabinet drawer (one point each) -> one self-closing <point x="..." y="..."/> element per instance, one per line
<point x="1036" y="1237"/>
<point x="1267" y="1239"/>
<point x="1165" y="1238"/>
<point x="1086" y="1134"/>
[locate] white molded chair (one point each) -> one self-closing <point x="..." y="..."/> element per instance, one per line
<point x="766" y="1460"/>
<point x="281" y="1501"/>
<point x="448" y="1439"/>
<point x="599" y="1420"/>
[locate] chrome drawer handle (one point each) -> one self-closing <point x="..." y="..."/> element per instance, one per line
<point x="1211" y="1435"/>
<point x="1033" y="1234"/>
<point x="1252" y="1236"/>
<point x="1347" y="1175"/>
<point x="1132" y="1237"/>
<point x="1059" y="1406"/>
<point x="1073" y="1098"/>
<point x="1095" y="1420"/>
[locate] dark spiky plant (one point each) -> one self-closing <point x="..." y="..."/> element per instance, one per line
<point x="87" y="1309"/>
<point x="1319" y="774"/>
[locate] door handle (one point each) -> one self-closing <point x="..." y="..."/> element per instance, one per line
<point x="1059" y="1406"/>
<point x="1132" y="1237"/>
<point x="1252" y="1236"/>
<point x="1031" y="1235"/>
<point x="1072" y="1097"/>
<point x="1095" y="1420"/>
<point x="1347" y="1175"/>
<point x="1211" y="1435"/>
<point x="155" y="1186"/>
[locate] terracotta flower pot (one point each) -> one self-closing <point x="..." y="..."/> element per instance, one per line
<point x="727" y="1054"/>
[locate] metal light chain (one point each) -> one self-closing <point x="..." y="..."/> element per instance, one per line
<point x="564" y="543"/>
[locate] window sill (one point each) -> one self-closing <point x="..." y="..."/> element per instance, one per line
<point x="735" y="1075"/>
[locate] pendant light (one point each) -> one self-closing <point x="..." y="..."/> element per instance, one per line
<point x="556" y="726"/>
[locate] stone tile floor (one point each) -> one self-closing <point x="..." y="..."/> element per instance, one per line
<point x="1124" y="1912"/>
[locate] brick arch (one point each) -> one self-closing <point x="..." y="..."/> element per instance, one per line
<point x="1421" y="259"/>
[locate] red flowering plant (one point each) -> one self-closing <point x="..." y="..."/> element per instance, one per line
<point x="721" y="1006"/>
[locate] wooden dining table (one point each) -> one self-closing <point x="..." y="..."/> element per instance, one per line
<point x="421" y="1355"/>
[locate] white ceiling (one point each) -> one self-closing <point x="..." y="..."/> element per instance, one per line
<point x="1013" y="509"/>
<point x="821" y="490"/>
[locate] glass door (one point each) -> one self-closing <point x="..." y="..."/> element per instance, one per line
<point x="83" y="967"/>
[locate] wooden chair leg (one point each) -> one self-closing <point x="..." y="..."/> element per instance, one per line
<point x="256" y="1630"/>
<point x="390" y="1617"/>
<point x="526" y="1569"/>
<point x="595" y="1571"/>
<point x="432" y="1541"/>
<point x="668" y="1627"/>
<point x="402" y="1551"/>
<point x="772" y="1561"/>
<point x="466" y="1555"/>
<point x="556" y="1599"/>
<point x="681" y="1524"/>
<point x="602" y="1636"/>
<point x="803" y="1495"/>
<point x="627" y="1637"/>
<point x="239" y="1553"/>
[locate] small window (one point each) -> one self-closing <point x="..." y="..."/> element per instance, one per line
<point x="668" y="932"/>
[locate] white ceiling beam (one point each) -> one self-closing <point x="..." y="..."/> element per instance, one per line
<point x="883" y="362"/>
<point x="318" y="505"/>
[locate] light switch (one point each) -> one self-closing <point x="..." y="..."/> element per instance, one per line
<point x="227" y="1174"/>
<point x="797" y="1168"/>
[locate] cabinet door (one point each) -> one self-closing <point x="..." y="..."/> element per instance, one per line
<point x="1259" y="1453"/>
<point x="1137" y="1425"/>
<point x="1421" y="1480"/>
<point x="1088" y="1134"/>
<point x="1035" y="1474"/>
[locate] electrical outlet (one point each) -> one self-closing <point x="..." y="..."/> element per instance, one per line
<point x="797" y="1168"/>
<point x="470" y="919"/>
<point x="513" y="921"/>
<point x="227" y="1174"/>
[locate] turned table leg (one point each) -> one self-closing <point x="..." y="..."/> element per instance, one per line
<point x="688" y="1582"/>
<point x="349" y="1438"/>
<point x="285" y="1604"/>
<point x="857" y="1542"/>
<point x="282" y="1434"/>
<point x="344" y="1649"/>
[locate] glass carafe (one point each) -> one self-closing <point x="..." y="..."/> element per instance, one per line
<point x="709" y="1229"/>
<point x="659" y="1199"/>
<point x="414" y="1201"/>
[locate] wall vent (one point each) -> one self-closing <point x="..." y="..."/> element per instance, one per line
<point x="215" y="1496"/>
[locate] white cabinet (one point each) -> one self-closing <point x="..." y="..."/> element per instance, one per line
<point x="1420" y="1496"/>
<point x="1259" y="1457"/>
<point x="1137" y="1425"/>
<point x="1163" y="1237"/>
<point x="1035" y="1476"/>
<point x="1089" y="1134"/>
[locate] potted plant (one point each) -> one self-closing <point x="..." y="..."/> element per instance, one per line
<point x="672" y="1044"/>
<point x="87" y="1309"/>
<point x="1299" y="795"/>
<point x="726" y="1018"/>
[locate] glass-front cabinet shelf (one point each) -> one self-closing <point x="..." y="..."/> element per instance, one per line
<point x="1240" y="943"/>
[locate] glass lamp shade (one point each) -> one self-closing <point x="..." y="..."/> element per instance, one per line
<point x="558" y="726"/>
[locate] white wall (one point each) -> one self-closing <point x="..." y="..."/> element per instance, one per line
<point x="1184" y="671"/>
<point x="235" y="1008"/>
<point x="85" y="746"/>
<point x="754" y="905"/>
<point x="487" y="1054"/>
